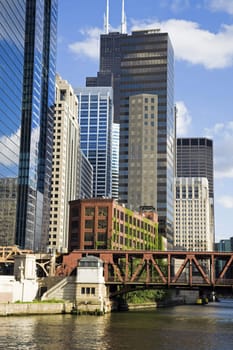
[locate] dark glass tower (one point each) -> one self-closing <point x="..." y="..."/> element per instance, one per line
<point x="195" y="159"/>
<point x="30" y="27"/>
<point x="142" y="63"/>
<point x="110" y="68"/>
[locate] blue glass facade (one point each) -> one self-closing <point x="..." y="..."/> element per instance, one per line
<point x="32" y="118"/>
<point x="12" y="31"/>
<point x="95" y="120"/>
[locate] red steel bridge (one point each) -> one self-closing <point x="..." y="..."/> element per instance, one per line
<point x="134" y="269"/>
<point x="151" y="269"/>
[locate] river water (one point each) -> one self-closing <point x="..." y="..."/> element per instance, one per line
<point x="195" y="327"/>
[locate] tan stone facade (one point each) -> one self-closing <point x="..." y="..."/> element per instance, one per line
<point x="65" y="163"/>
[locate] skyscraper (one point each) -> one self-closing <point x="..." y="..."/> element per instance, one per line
<point x="96" y="127"/>
<point x="66" y="148"/>
<point x="12" y="21"/>
<point x="194" y="158"/>
<point x="28" y="49"/>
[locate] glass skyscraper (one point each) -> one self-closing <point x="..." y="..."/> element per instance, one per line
<point x="96" y="119"/>
<point x="12" y="32"/>
<point x="27" y="63"/>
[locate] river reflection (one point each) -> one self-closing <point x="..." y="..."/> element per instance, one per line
<point x="208" y="327"/>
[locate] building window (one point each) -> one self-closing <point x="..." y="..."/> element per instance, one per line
<point x="89" y="223"/>
<point x="89" y="211"/>
<point x="62" y="95"/>
<point x="89" y="237"/>
<point x="102" y="224"/>
<point x="103" y="211"/>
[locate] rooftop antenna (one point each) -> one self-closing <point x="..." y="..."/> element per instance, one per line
<point x="106" y="18"/>
<point x="123" y="19"/>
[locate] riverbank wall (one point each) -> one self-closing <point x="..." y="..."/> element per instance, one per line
<point x="11" y="309"/>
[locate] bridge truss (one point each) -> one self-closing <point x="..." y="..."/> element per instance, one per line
<point x="159" y="268"/>
<point x="8" y="253"/>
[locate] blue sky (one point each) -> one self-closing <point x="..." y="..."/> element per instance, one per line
<point x="201" y="32"/>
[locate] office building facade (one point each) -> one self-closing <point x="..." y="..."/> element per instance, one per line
<point x="147" y="67"/>
<point x="194" y="158"/>
<point x="12" y="21"/>
<point x="85" y="177"/>
<point x="142" y="160"/>
<point x="193" y="215"/>
<point x="96" y="128"/>
<point x="65" y="164"/>
<point x="28" y="60"/>
<point x="115" y="160"/>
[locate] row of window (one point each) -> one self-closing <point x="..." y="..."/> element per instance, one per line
<point x="88" y="290"/>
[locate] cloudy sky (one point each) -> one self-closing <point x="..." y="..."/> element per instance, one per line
<point x="201" y="32"/>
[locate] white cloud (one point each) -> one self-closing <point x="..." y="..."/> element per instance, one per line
<point x="179" y="5"/>
<point x="222" y="135"/>
<point x="88" y="47"/>
<point x="194" y="44"/>
<point x="226" y="201"/>
<point x="222" y="5"/>
<point x="183" y="120"/>
<point x="191" y="43"/>
<point x="9" y="145"/>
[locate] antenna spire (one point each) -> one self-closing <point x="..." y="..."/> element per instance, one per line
<point x="123" y="19"/>
<point x="106" y="18"/>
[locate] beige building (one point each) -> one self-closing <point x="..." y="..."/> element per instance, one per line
<point x="65" y="164"/>
<point x="142" y="162"/>
<point x="192" y="229"/>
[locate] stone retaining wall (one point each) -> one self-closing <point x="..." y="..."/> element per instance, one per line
<point x="35" y="308"/>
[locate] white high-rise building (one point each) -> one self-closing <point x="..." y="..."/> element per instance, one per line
<point x="192" y="229"/>
<point x="65" y="163"/>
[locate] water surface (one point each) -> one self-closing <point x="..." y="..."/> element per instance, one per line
<point x="208" y="327"/>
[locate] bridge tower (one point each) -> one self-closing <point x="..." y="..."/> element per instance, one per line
<point x="91" y="291"/>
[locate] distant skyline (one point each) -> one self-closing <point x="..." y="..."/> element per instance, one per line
<point x="201" y="32"/>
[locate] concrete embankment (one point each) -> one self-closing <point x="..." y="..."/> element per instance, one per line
<point x="35" y="309"/>
<point x="142" y="306"/>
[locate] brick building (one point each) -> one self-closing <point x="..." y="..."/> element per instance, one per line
<point x="101" y="223"/>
